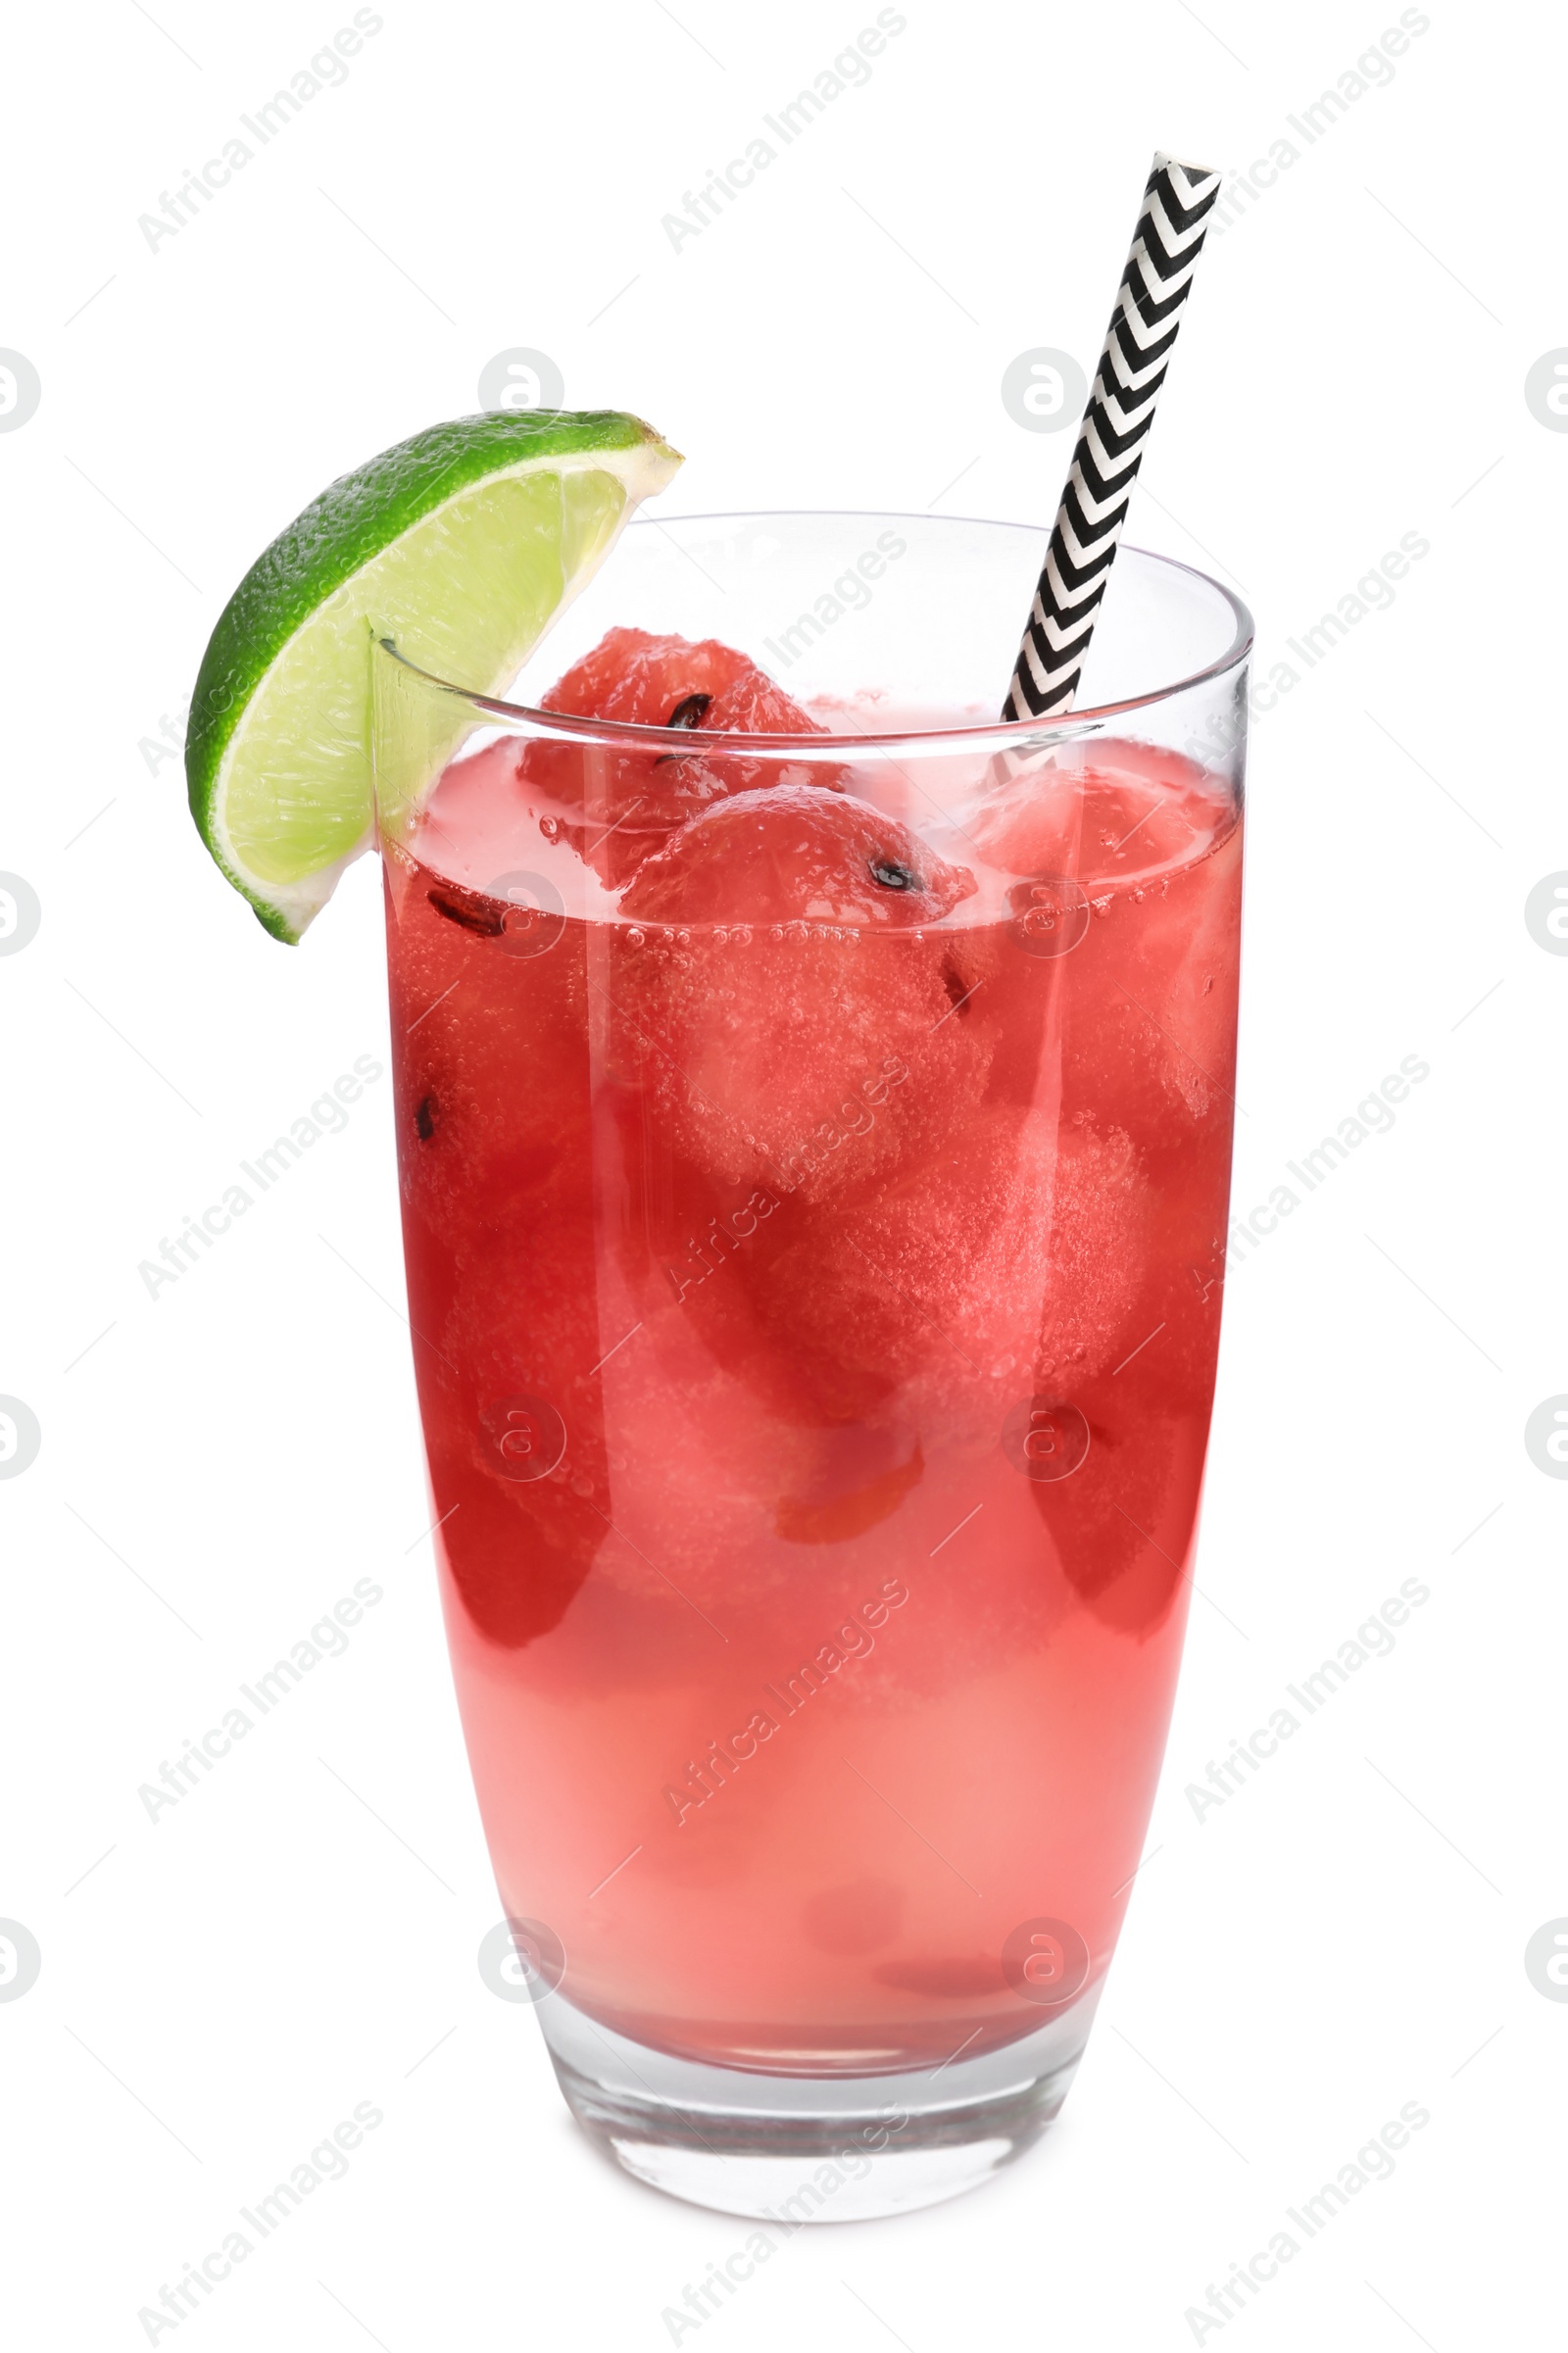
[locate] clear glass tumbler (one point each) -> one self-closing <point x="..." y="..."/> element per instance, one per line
<point x="814" y="1153"/>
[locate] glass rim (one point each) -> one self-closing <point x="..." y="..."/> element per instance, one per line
<point x="987" y="737"/>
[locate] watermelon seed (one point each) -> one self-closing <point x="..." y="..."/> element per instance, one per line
<point x="957" y="988"/>
<point x="471" y="908"/>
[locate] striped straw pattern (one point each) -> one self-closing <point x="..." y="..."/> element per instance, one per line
<point x="1166" y="243"/>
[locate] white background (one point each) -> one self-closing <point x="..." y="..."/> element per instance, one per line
<point x="220" y="1464"/>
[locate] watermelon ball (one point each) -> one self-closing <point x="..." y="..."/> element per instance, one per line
<point x="790" y="854"/>
<point x="633" y="799"/>
<point x="789" y="1010"/>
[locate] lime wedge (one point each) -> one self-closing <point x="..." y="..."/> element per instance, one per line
<point x="462" y="544"/>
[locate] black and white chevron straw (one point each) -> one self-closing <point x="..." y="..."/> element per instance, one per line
<point x="1166" y="243"/>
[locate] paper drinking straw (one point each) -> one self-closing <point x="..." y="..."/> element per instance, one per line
<point x="1166" y="243"/>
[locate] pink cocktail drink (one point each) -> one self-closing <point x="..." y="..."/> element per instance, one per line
<point x="814" y="1186"/>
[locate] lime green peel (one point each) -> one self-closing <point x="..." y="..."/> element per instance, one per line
<point x="461" y="545"/>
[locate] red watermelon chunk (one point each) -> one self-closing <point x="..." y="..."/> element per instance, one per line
<point x="632" y="799"/>
<point x="794" y="853"/>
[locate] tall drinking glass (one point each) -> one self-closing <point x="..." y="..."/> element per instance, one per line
<point x="814" y="1231"/>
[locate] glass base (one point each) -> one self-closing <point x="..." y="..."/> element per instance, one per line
<point x="793" y="2149"/>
